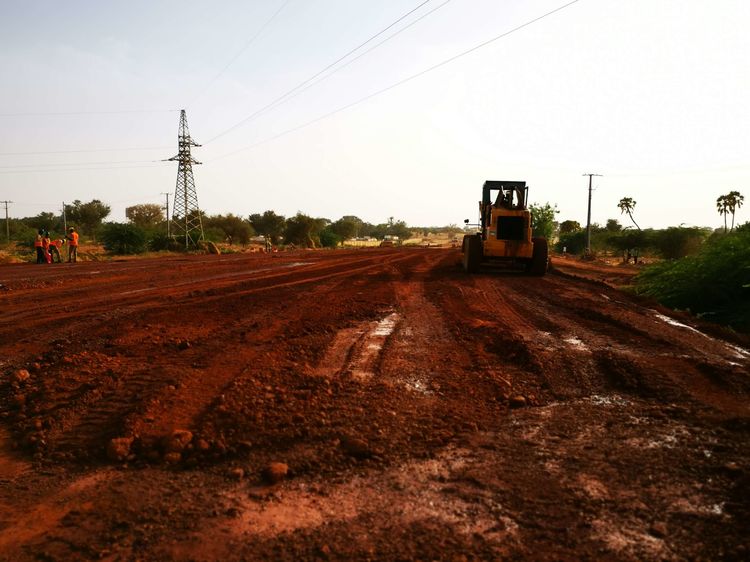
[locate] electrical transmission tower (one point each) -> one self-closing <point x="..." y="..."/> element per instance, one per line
<point x="186" y="215"/>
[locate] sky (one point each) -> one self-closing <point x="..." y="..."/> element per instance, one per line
<point x="651" y="94"/>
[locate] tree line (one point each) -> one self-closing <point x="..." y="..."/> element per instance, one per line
<point x="146" y="228"/>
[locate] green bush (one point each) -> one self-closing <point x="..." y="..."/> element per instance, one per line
<point x="572" y="242"/>
<point x="714" y="283"/>
<point x="214" y="234"/>
<point x="23" y="234"/>
<point x="329" y="239"/>
<point x="676" y="242"/>
<point x="159" y="242"/>
<point x="120" y="238"/>
<point x="543" y="220"/>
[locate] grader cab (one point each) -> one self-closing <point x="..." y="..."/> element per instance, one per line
<point x="505" y="231"/>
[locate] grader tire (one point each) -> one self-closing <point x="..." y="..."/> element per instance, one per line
<point x="539" y="258"/>
<point x="472" y="257"/>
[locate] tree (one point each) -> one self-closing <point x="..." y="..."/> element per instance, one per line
<point x="146" y="215"/>
<point x="303" y="230"/>
<point x="232" y="228"/>
<point x="626" y="205"/>
<point x="269" y="224"/>
<point x="734" y="201"/>
<point x="722" y="206"/>
<point x="630" y="242"/>
<point x="46" y="220"/>
<point x="124" y="238"/>
<point x="613" y="225"/>
<point x="569" y="226"/>
<point x="677" y="242"/>
<point x="346" y="227"/>
<point x="543" y="220"/>
<point x="328" y="238"/>
<point x="396" y="228"/>
<point x="572" y="242"/>
<point x="87" y="216"/>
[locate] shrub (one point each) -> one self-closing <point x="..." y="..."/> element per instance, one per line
<point x="675" y="242"/>
<point x="573" y="242"/>
<point x="121" y="238"/>
<point x="715" y="282"/>
<point x="214" y="234"/>
<point x="329" y="239"/>
<point x="23" y="234"/>
<point x="159" y="242"/>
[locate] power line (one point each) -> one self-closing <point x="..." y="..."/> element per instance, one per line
<point x="350" y="61"/>
<point x="66" y="113"/>
<point x="399" y="83"/>
<point x="147" y="197"/>
<point x="79" y="164"/>
<point x="237" y="55"/>
<point x="303" y="83"/>
<point x="77" y="169"/>
<point x="82" y="150"/>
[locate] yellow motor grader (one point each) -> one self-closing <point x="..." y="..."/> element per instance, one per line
<point x="505" y="231"/>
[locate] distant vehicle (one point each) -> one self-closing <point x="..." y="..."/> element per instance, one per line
<point x="387" y="244"/>
<point x="505" y="233"/>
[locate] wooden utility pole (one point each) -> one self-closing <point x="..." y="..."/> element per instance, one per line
<point x="588" y="218"/>
<point x="7" y="221"/>
<point x="166" y="196"/>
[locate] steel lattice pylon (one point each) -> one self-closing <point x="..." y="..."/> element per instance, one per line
<point x="186" y="215"/>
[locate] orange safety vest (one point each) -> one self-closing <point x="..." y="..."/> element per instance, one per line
<point x="45" y="243"/>
<point x="73" y="237"/>
<point x="38" y="242"/>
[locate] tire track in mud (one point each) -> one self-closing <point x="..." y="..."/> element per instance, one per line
<point x="84" y="303"/>
<point x="630" y="348"/>
<point x="115" y="395"/>
<point x="445" y="469"/>
<point x="558" y="339"/>
<point x="198" y="392"/>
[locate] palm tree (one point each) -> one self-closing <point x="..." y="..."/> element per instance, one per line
<point x="734" y="202"/>
<point x="722" y="206"/>
<point x="626" y="205"/>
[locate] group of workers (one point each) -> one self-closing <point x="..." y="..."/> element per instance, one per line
<point x="47" y="249"/>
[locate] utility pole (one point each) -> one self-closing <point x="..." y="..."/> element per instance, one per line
<point x="166" y="196"/>
<point x="7" y="221"/>
<point x="588" y="218"/>
<point x="186" y="213"/>
<point x="65" y="220"/>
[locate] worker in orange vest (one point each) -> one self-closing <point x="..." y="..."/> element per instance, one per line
<point x="72" y="238"/>
<point x="39" y="246"/>
<point x="54" y="249"/>
<point x="45" y="247"/>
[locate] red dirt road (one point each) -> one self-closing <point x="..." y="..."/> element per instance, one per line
<point x="421" y="414"/>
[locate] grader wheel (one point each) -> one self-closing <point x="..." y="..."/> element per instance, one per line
<point x="540" y="257"/>
<point x="472" y="247"/>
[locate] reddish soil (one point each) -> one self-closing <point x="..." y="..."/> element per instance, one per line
<point x="417" y="413"/>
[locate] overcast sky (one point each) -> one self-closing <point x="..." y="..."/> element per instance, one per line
<point x="652" y="94"/>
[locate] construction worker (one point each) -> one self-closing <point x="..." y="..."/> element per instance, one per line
<point x="45" y="247"/>
<point x="54" y="249"/>
<point x="72" y="238"/>
<point x="39" y="246"/>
